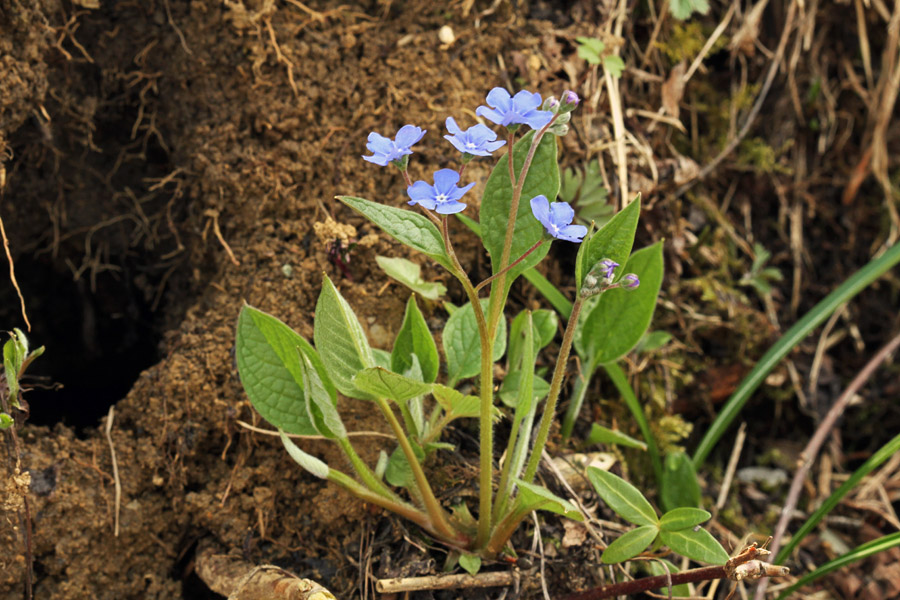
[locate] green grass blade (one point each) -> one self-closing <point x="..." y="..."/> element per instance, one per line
<point x="883" y="453"/>
<point x="617" y="375"/>
<point x="860" y="552"/>
<point x="821" y="311"/>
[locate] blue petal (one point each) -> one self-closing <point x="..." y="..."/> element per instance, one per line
<point x="457" y="143"/>
<point x="481" y="133"/>
<point x="561" y="214"/>
<point x="540" y="208"/>
<point x="537" y="118"/>
<point x="379" y="144"/>
<point x="490" y="114"/>
<point x="445" y="180"/>
<point x="421" y="191"/>
<point x="452" y="127"/>
<point x="377" y="159"/>
<point x="409" y="135"/>
<point x="499" y="98"/>
<point x="491" y="146"/>
<point x="525" y="101"/>
<point x="573" y="233"/>
<point x="449" y="208"/>
<point x="456" y="193"/>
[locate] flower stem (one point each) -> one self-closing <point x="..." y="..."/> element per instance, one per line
<point x="511" y="266"/>
<point x="555" y="386"/>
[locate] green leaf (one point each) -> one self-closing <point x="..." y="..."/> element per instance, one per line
<point x="341" y="341"/>
<point x="542" y="179"/>
<point x="470" y="562"/>
<point x="545" y="323"/>
<point x="6" y="421"/>
<point x="683" y="518"/>
<point x="414" y="339"/>
<point x="307" y="461"/>
<point x="534" y="497"/>
<point x="272" y="376"/>
<point x="614" y="64"/>
<point x="409" y="274"/>
<point x="385" y="384"/>
<point x="590" y="49"/>
<point x="15" y="350"/>
<point x="405" y="226"/>
<point x="653" y="340"/>
<point x="682" y="9"/>
<point x="382" y="358"/>
<point x="456" y="403"/>
<point x="462" y="344"/>
<point x="620" y="318"/>
<point x="625" y="499"/>
<point x="697" y="545"/>
<point x="679" y="486"/>
<point x="512" y="384"/>
<point x="398" y="472"/>
<point x="321" y="403"/>
<point x="614" y="240"/>
<point x="629" y="544"/>
<point x="601" y="435"/>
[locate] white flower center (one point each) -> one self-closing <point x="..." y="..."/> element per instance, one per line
<point x="441" y="198"/>
<point x="470" y="144"/>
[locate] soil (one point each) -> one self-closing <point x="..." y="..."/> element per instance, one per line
<point x="165" y="162"/>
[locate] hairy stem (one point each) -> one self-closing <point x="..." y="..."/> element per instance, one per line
<point x="555" y="386"/>
<point x="511" y="266"/>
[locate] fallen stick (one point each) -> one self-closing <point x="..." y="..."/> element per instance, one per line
<point x="446" y="582"/>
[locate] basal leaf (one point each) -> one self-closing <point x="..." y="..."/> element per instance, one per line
<point x="271" y="373"/>
<point x="683" y="518"/>
<point x="470" y="562"/>
<point x="629" y="544"/>
<point x="385" y="384"/>
<point x="320" y="403"/>
<point x="305" y="460"/>
<point x="679" y="486"/>
<point x="602" y="435"/>
<point x="620" y="318"/>
<point x="340" y="340"/>
<point x="625" y="499"/>
<point x="414" y="338"/>
<point x="462" y="344"/>
<point x="697" y="545"/>
<point x="614" y="240"/>
<point x="534" y="497"/>
<point x="398" y="472"/>
<point x="405" y="226"/>
<point x="542" y="179"/>
<point x="512" y="384"/>
<point x="544" y="322"/>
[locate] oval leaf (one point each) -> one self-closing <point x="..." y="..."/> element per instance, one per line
<point x="405" y="226"/>
<point x="629" y="544"/>
<point x="679" y="486"/>
<point x="683" y="518"/>
<point x="462" y="344"/>
<point x="414" y="338"/>
<point x="603" y="435"/>
<point x="305" y="460"/>
<point x="340" y="340"/>
<point x="697" y="545"/>
<point x="321" y="408"/>
<point x="620" y="318"/>
<point x="534" y="497"/>
<point x="385" y="384"/>
<point x="614" y="241"/>
<point x="622" y="497"/>
<point x="542" y="179"/>
<point x="409" y="274"/>
<point x="270" y="370"/>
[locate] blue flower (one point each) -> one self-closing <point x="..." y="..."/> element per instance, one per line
<point x="522" y="108"/>
<point x="384" y="150"/>
<point x="442" y="197"/>
<point x="478" y="140"/>
<point x="557" y="218"/>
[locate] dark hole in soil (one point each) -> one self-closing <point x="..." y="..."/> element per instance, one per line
<point x="98" y="341"/>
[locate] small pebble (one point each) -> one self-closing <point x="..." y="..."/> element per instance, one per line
<point x="446" y="35"/>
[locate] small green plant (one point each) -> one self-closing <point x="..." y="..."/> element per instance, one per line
<point x="296" y="386"/>
<point x="594" y="52"/>
<point x="16" y="358"/>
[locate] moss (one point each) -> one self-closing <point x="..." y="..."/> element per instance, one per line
<point x="756" y="154"/>
<point x="687" y="39"/>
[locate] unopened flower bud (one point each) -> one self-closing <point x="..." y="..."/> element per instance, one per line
<point x="630" y="281"/>
<point x="599" y="277"/>
<point x="569" y="102"/>
<point x="551" y="104"/>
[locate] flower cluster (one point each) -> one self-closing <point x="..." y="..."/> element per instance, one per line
<point x="445" y="195"/>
